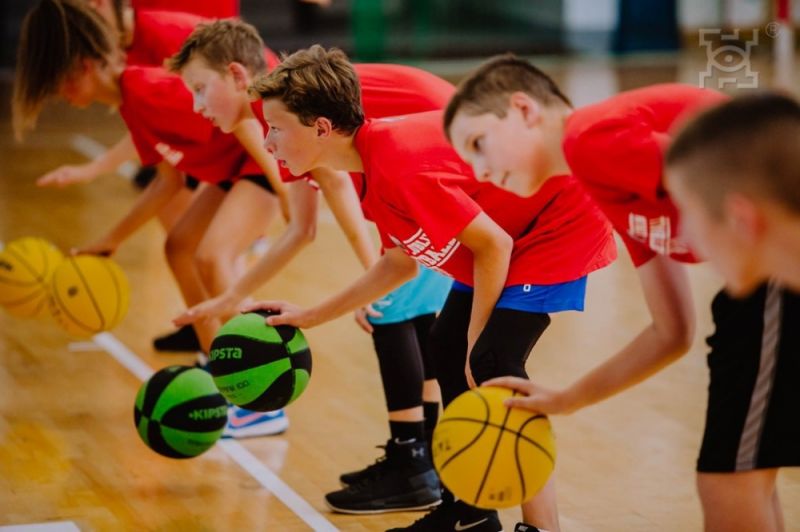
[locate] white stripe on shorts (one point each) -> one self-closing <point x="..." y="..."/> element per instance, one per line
<point x="747" y="455"/>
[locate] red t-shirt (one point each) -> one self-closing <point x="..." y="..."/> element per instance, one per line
<point x="421" y="195"/>
<point x="158" y="35"/>
<point x="206" y="8"/>
<point x="157" y="108"/>
<point x="616" y="149"/>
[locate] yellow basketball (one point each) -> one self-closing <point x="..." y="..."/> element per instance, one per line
<point x="26" y="267"/>
<point x="491" y="456"/>
<point x="90" y="295"/>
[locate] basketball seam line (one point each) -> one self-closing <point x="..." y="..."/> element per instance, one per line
<point x="90" y="294"/>
<point x="117" y="289"/>
<point x="25" y="263"/>
<point x="494" y="452"/>
<point x="477" y="436"/>
<point x="63" y="308"/>
<point x="494" y="426"/>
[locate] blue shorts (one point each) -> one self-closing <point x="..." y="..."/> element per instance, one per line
<point x="424" y="294"/>
<point x="543" y="298"/>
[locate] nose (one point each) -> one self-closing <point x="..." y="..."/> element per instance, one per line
<point x="269" y="143"/>
<point x="198" y="104"/>
<point x="481" y="170"/>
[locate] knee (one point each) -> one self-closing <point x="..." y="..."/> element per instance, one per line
<point x="208" y="262"/>
<point x="177" y="246"/>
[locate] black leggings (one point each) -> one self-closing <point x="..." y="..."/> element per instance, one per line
<point x="405" y="360"/>
<point x="502" y="348"/>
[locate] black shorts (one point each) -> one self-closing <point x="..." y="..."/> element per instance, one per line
<point x="501" y="349"/>
<point x="752" y="421"/>
<point x="259" y="179"/>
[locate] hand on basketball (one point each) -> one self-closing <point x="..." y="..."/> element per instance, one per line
<point x="68" y="174"/>
<point x="285" y="313"/>
<point x="103" y="247"/>
<point x="536" y="398"/>
<point x="361" y="317"/>
<point x="216" y="306"/>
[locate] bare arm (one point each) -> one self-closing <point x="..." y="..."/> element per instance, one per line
<point x="491" y="251"/>
<point x="346" y="207"/>
<point x="300" y="232"/>
<point x="251" y="136"/>
<point x="158" y="193"/>
<point x="666" y="290"/>
<point x="108" y="162"/>
<point x="391" y="270"/>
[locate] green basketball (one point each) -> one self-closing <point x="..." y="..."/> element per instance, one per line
<point x="179" y="413"/>
<point x="257" y="366"/>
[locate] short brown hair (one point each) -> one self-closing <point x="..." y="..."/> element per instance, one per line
<point x="316" y="82"/>
<point x="56" y="36"/>
<point x="221" y="43"/>
<point x="488" y="88"/>
<point x="750" y="144"/>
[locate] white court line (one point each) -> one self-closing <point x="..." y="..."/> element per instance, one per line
<point x="91" y="149"/>
<point x="55" y="526"/>
<point x="239" y="454"/>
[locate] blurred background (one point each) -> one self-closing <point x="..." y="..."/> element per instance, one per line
<point x="413" y="30"/>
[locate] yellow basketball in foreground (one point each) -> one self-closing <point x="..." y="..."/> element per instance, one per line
<point x="26" y="267"/>
<point x="491" y="456"/>
<point x="90" y="295"/>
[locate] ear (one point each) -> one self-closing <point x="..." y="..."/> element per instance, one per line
<point x="241" y="77"/>
<point x="323" y="126"/>
<point x="744" y="216"/>
<point x="530" y="109"/>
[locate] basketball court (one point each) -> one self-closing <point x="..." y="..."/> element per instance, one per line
<point x="70" y="457"/>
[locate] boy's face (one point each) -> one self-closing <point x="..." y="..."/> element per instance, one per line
<point x="216" y="96"/>
<point x="82" y="85"/>
<point x="293" y="144"/>
<point x="507" y="152"/>
<point x="729" y="243"/>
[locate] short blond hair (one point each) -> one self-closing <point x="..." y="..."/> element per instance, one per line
<point x="316" y="83"/>
<point x="221" y="43"/>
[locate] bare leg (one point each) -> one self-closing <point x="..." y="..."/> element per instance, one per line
<point x="172" y="211"/>
<point x="183" y="241"/>
<point x="246" y="210"/>
<point x="542" y="510"/>
<point x="740" y="501"/>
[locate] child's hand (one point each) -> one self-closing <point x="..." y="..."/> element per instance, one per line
<point x="103" y="247"/>
<point x="537" y="398"/>
<point x="217" y="306"/>
<point x="68" y="174"/>
<point x="284" y="313"/>
<point x="361" y="317"/>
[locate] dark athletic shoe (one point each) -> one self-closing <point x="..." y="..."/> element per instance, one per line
<point x="184" y="339"/>
<point x="403" y="480"/>
<point x="456" y="517"/>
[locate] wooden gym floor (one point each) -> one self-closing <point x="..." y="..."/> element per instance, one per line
<point x="69" y="451"/>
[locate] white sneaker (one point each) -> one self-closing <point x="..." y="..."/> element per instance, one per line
<point x="243" y="423"/>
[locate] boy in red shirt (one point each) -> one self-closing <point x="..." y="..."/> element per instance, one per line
<point x="217" y="64"/>
<point x="514" y="259"/>
<point x="616" y="149"/>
